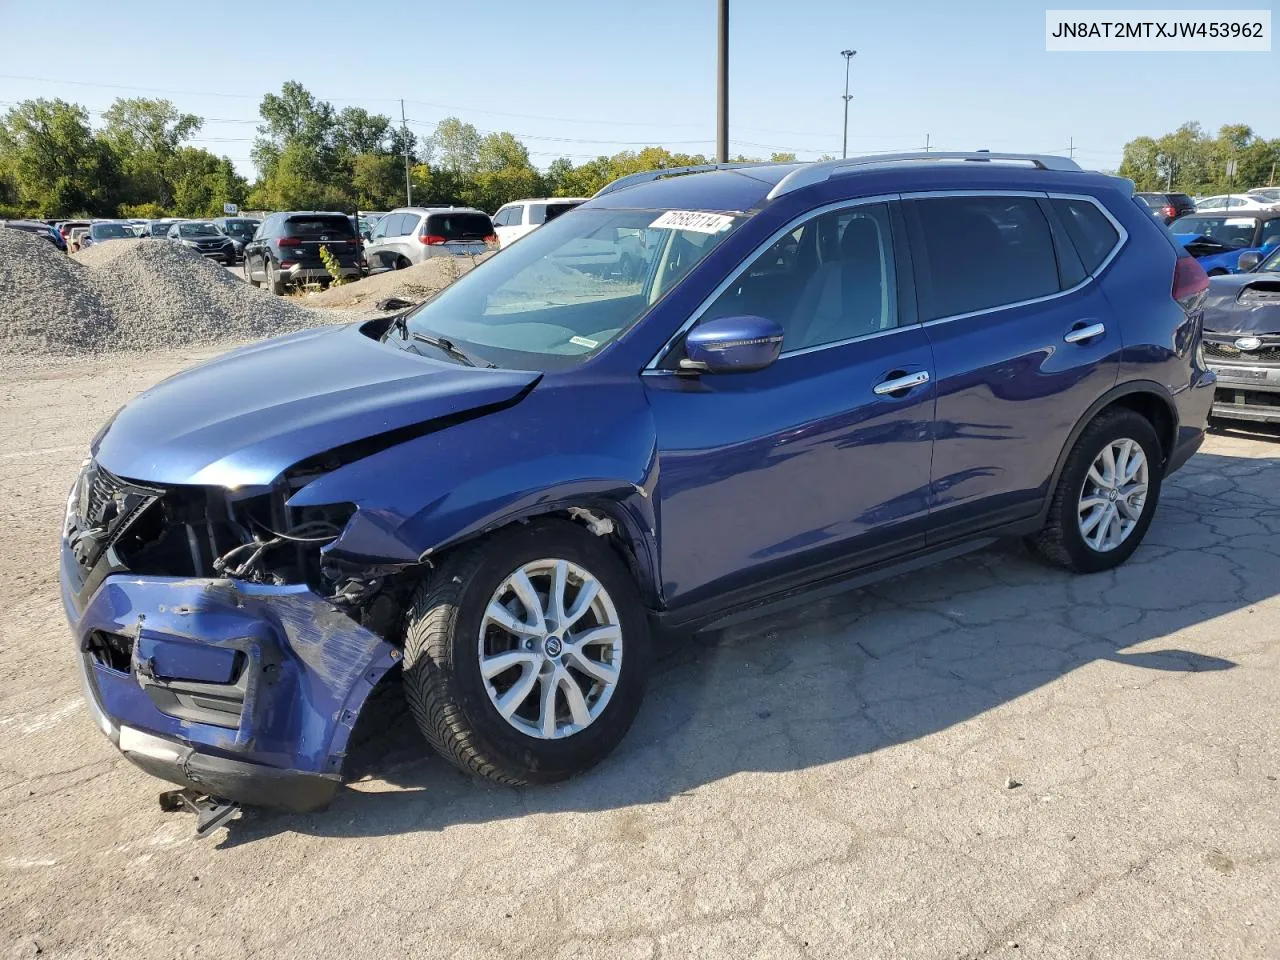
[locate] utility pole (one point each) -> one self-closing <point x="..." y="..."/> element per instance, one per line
<point x="848" y="58"/>
<point x="404" y="142"/>
<point x="926" y="143"/>
<point x="722" y="85"/>
<point x="1271" y="180"/>
<point x="1071" y="148"/>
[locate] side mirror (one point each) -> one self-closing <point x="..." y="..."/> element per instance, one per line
<point x="732" y="345"/>
<point x="1248" y="261"/>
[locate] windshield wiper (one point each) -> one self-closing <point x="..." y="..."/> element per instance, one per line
<point x="441" y="343"/>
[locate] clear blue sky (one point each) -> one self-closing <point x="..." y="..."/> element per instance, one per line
<point x="585" y="77"/>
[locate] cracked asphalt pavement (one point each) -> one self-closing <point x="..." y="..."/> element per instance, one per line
<point x="988" y="758"/>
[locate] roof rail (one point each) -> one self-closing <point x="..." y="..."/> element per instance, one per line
<point x="823" y="170"/>
<point x="645" y="176"/>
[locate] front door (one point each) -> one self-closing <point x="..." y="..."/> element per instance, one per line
<point x="822" y="456"/>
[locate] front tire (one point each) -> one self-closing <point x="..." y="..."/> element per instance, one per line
<point x="526" y="654"/>
<point x="1106" y="496"/>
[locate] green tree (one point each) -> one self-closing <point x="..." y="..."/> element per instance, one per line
<point x="53" y="162"/>
<point x="456" y="145"/>
<point x="145" y="135"/>
<point x="203" y="182"/>
<point x="378" y="179"/>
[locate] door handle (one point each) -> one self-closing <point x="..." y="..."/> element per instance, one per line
<point x="899" y="384"/>
<point x="1081" y="334"/>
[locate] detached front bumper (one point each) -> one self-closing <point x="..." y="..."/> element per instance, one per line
<point x="299" y="272"/>
<point x="242" y="691"/>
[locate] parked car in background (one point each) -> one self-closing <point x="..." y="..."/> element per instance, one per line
<point x="410" y="235"/>
<point x="65" y="227"/>
<point x="1266" y="194"/>
<point x="139" y="226"/>
<point x="829" y="373"/>
<point x="1236" y="201"/>
<point x="1242" y="340"/>
<point x="75" y="238"/>
<point x="204" y="238"/>
<point x="239" y="229"/>
<point x="39" y="229"/>
<point x="368" y="219"/>
<point x="286" y="249"/>
<point x="1169" y="206"/>
<point x="159" y="229"/>
<point x="101" y="231"/>
<point x="1218" y="240"/>
<point x="516" y="219"/>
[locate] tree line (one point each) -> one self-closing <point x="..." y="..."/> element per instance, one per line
<point x="139" y="161"/>
<point x="1191" y="161"/>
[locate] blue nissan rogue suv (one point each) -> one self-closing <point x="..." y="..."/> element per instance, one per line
<point x="705" y="391"/>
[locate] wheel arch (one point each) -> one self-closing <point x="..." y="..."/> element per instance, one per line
<point x="1145" y="397"/>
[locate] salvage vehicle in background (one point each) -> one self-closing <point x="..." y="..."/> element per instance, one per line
<point x="39" y="229"/>
<point x="286" y="249"/>
<point x="409" y="235"/>
<point x="1218" y="240"/>
<point x="516" y="219"/>
<point x="101" y="231"/>
<point x="240" y="230"/>
<point x="825" y="373"/>
<point x="1234" y="202"/>
<point x="1169" y="206"/>
<point x="65" y="227"/>
<point x="75" y="237"/>
<point x="1242" y="340"/>
<point x="205" y="239"/>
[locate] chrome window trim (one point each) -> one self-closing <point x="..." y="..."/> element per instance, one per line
<point x="727" y="282"/>
<point x="1089" y="277"/>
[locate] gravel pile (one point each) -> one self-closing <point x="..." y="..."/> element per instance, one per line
<point x="129" y="295"/>
<point x="414" y="284"/>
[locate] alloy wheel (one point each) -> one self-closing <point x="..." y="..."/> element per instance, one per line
<point x="550" y="649"/>
<point x="1113" y="495"/>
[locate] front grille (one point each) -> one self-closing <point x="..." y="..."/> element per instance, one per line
<point x="1265" y="356"/>
<point x="100" y="510"/>
<point x="1247" y="398"/>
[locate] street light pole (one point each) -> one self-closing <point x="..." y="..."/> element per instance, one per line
<point x="848" y="58"/>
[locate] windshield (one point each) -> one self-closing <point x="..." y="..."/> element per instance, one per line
<point x="197" y="230"/>
<point x="1271" y="264"/>
<point x="110" y="231"/>
<point x="160" y="229"/>
<point x="1228" y="231"/>
<point x="571" y="287"/>
<point x="240" y="229"/>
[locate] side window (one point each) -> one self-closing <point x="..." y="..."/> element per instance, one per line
<point x="537" y="213"/>
<point x="409" y="226"/>
<point x="983" y="252"/>
<point x="500" y="218"/>
<point x="1090" y="231"/>
<point x="830" y="279"/>
<point x="380" y="228"/>
<point x="1270" y="231"/>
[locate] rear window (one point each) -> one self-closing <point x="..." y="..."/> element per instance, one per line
<point x="1090" y="231"/>
<point x="984" y="252"/>
<point x="318" y="228"/>
<point x="459" y="226"/>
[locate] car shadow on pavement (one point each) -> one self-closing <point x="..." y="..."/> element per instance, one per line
<point x="849" y="675"/>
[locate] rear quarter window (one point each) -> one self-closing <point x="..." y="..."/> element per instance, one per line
<point x="1091" y="233"/>
<point x="984" y="252"/>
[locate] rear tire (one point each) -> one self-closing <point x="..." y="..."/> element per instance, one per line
<point x="452" y="641"/>
<point x="1089" y="529"/>
<point x="274" y="283"/>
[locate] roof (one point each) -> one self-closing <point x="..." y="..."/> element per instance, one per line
<point x="746" y="188"/>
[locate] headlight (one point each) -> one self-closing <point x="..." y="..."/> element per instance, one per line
<point x="189" y="243"/>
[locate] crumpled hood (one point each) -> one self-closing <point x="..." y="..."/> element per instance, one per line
<point x="242" y="419"/>
<point x="1244" y="303"/>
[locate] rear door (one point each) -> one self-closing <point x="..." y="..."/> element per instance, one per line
<point x="1023" y="340"/>
<point x="306" y="233"/>
<point x="459" y="232"/>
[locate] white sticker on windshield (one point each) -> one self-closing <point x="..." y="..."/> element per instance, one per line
<point x="1238" y="222"/>
<point x="584" y="342"/>
<point x="693" y="220"/>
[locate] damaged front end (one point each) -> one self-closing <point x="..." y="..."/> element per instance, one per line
<point x="219" y="648"/>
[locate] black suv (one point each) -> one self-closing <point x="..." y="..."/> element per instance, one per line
<point x="1169" y="206"/>
<point x="286" y="249"/>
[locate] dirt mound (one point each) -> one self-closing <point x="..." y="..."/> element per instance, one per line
<point x="414" y="284"/>
<point x="129" y="295"/>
